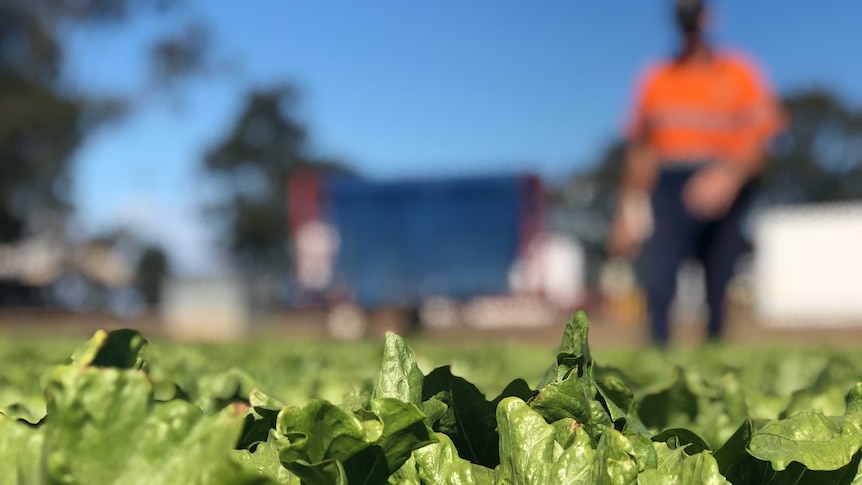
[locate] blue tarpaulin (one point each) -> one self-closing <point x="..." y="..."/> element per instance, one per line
<point x="404" y="241"/>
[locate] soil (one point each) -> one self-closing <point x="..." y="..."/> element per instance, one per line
<point x="302" y="325"/>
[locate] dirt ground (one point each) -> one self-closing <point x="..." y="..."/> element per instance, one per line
<point x="289" y="326"/>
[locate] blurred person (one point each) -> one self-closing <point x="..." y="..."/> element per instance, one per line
<point x="697" y="136"/>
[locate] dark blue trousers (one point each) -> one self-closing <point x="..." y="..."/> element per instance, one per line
<point x="679" y="236"/>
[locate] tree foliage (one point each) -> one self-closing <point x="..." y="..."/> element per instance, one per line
<point x="39" y="127"/>
<point x="44" y="118"/>
<point x="819" y="157"/>
<point x="153" y="267"/>
<point x="251" y="165"/>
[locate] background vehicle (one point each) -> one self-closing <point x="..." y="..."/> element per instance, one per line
<point x="428" y="247"/>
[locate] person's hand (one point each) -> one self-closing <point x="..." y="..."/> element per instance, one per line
<point x="710" y="192"/>
<point x="630" y="227"/>
<point x="622" y="242"/>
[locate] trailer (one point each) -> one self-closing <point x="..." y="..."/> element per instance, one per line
<point x="372" y="244"/>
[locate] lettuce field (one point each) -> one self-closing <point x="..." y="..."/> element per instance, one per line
<point x="121" y="410"/>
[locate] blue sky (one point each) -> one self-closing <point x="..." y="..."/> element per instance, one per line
<point x="411" y="88"/>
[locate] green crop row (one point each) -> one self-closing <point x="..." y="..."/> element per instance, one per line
<point x="121" y="413"/>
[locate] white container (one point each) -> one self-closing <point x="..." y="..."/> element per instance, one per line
<point x="808" y="265"/>
<point x="206" y="309"/>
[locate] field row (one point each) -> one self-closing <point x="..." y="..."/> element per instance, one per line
<point x="416" y="412"/>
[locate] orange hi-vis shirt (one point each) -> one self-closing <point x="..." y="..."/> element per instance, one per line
<point x="715" y="110"/>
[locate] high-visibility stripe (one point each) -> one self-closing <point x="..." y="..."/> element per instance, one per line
<point x="693" y="119"/>
<point x="710" y="121"/>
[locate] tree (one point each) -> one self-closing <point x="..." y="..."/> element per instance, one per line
<point x="819" y="157"/>
<point x="153" y="266"/>
<point x="251" y="166"/>
<point x="40" y="126"/>
<point x="588" y="204"/>
<point x="45" y="116"/>
<point x="43" y="119"/>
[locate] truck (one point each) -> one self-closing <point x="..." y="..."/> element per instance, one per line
<point x="360" y="244"/>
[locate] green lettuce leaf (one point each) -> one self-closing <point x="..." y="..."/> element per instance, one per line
<point x="569" y="391"/>
<point x="121" y="349"/>
<point x="682" y="438"/>
<point x="103" y="427"/>
<point x="439" y="463"/>
<point x="574" y="353"/>
<point x="675" y="467"/>
<point x="329" y="445"/>
<point x="733" y="459"/>
<point x="575" y="399"/>
<point x="265" y="462"/>
<point x="215" y="391"/>
<point x="469" y="419"/>
<point x="20" y="452"/>
<point x="517" y="388"/>
<point x="857" y="479"/>
<point x="434" y="409"/>
<point x="533" y="451"/>
<point x="616" y="461"/>
<point x="260" y="419"/>
<point x="816" y="441"/>
<point x="399" y="377"/>
<point x="671" y="404"/>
